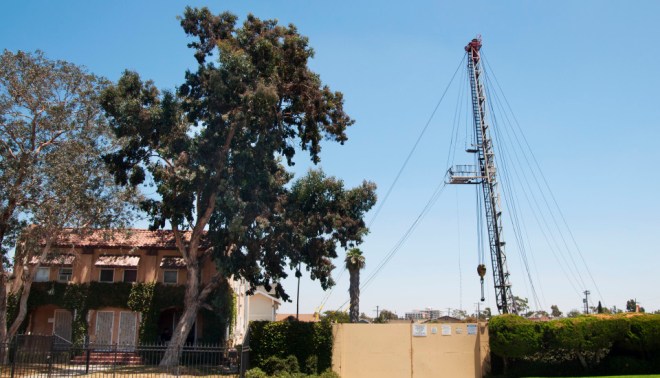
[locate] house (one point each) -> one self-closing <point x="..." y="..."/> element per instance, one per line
<point x="127" y="286"/>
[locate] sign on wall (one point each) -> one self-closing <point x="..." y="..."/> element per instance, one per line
<point x="419" y="330"/>
<point x="446" y="330"/>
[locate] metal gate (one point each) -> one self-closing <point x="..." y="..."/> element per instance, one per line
<point x="104" y="325"/>
<point x="62" y="327"/>
<point x="127" y="330"/>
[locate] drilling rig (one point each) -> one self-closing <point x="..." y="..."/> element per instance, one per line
<point x="484" y="173"/>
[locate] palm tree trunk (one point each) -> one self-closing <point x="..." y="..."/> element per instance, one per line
<point x="354" y="291"/>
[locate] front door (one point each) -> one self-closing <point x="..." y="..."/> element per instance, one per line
<point x="104" y="324"/>
<point x="62" y="326"/>
<point x="127" y="330"/>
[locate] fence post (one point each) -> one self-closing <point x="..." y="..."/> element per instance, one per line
<point x="87" y="354"/>
<point x="114" y="361"/>
<point x="49" y="357"/>
<point x="13" y="352"/>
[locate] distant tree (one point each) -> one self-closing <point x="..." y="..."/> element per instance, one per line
<point x="459" y="314"/>
<point x="599" y="309"/>
<point x="574" y="313"/>
<point x="485" y="314"/>
<point x="522" y="304"/>
<point x="555" y="311"/>
<point x="354" y="263"/>
<point x="336" y="317"/>
<point x="385" y="316"/>
<point x="52" y="177"/>
<point x="631" y="305"/>
<point x="540" y="314"/>
<point x="364" y="316"/>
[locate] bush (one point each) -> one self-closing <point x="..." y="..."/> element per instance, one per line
<point x="512" y="336"/>
<point x="310" y="343"/>
<point x="574" y="346"/>
<point x="274" y="365"/>
<point x="255" y="373"/>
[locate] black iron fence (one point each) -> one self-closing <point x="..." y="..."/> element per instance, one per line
<point x="51" y="356"/>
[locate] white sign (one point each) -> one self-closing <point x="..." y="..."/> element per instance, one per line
<point x="446" y="330"/>
<point x="472" y="329"/>
<point x="419" y="330"/>
<point x="434" y="330"/>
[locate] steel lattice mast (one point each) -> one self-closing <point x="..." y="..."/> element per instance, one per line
<point x="485" y="175"/>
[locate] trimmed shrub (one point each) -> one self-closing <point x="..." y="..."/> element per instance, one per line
<point x="575" y="346"/>
<point x="308" y="342"/>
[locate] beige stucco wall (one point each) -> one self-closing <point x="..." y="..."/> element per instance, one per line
<point x="391" y="350"/>
<point x="261" y="308"/>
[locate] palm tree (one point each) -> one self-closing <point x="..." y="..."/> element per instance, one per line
<point x="354" y="263"/>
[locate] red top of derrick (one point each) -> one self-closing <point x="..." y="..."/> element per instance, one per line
<point x="474" y="44"/>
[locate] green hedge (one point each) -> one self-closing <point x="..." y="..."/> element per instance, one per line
<point x="575" y="346"/>
<point x="310" y="343"/>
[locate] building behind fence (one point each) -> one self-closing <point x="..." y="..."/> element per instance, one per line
<point x="51" y="356"/>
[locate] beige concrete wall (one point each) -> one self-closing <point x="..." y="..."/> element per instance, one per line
<point x="391" y="350"/>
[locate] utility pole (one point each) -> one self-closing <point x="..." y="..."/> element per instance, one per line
<point x="586" y="301"/>
<point x="376" y="312"/>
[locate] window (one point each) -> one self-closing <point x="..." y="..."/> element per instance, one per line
<point x="43" y="275"/>
<point x="65" y="274"/>
<point x="130" y="275"/>
<point x="170" y="276"/>
<point x="107" y="275"/>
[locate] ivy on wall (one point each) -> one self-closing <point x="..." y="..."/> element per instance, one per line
<point x="149" y="299"/>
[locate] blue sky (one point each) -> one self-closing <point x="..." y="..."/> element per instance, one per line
<point x="581" y="77"/>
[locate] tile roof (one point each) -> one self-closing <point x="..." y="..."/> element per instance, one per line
<point x="128" y="238"/>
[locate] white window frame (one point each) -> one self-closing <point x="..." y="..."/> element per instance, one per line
<point x="176" y="273"/>
<point x="113" y="274"/>
<point x="39" y="276"/>
<point x="70" y="275"/>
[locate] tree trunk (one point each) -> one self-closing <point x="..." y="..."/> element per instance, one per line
<point x="354" y="291"/>
<point x="191" y="303"/>
<point x="25" y="294"/>
<point x="4" y="342"/>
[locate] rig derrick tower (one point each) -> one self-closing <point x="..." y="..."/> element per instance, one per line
<point x="484" y="174"/>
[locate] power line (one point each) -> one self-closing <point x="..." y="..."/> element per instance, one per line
<point x="403" y="166"/>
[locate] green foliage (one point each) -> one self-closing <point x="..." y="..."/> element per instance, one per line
<point x="275" y="365"/>
<point x="336" y="317"/>
<point x="643" y="336"/>
<point x="513" y="336"/>
<point x="305" y="341"/>
<point x="146" y="298"/>
<point x="255" y="373"/>
<point x="258" y="373"/>
<point x="52" y="176"/>
<point x="572" y="346"/>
